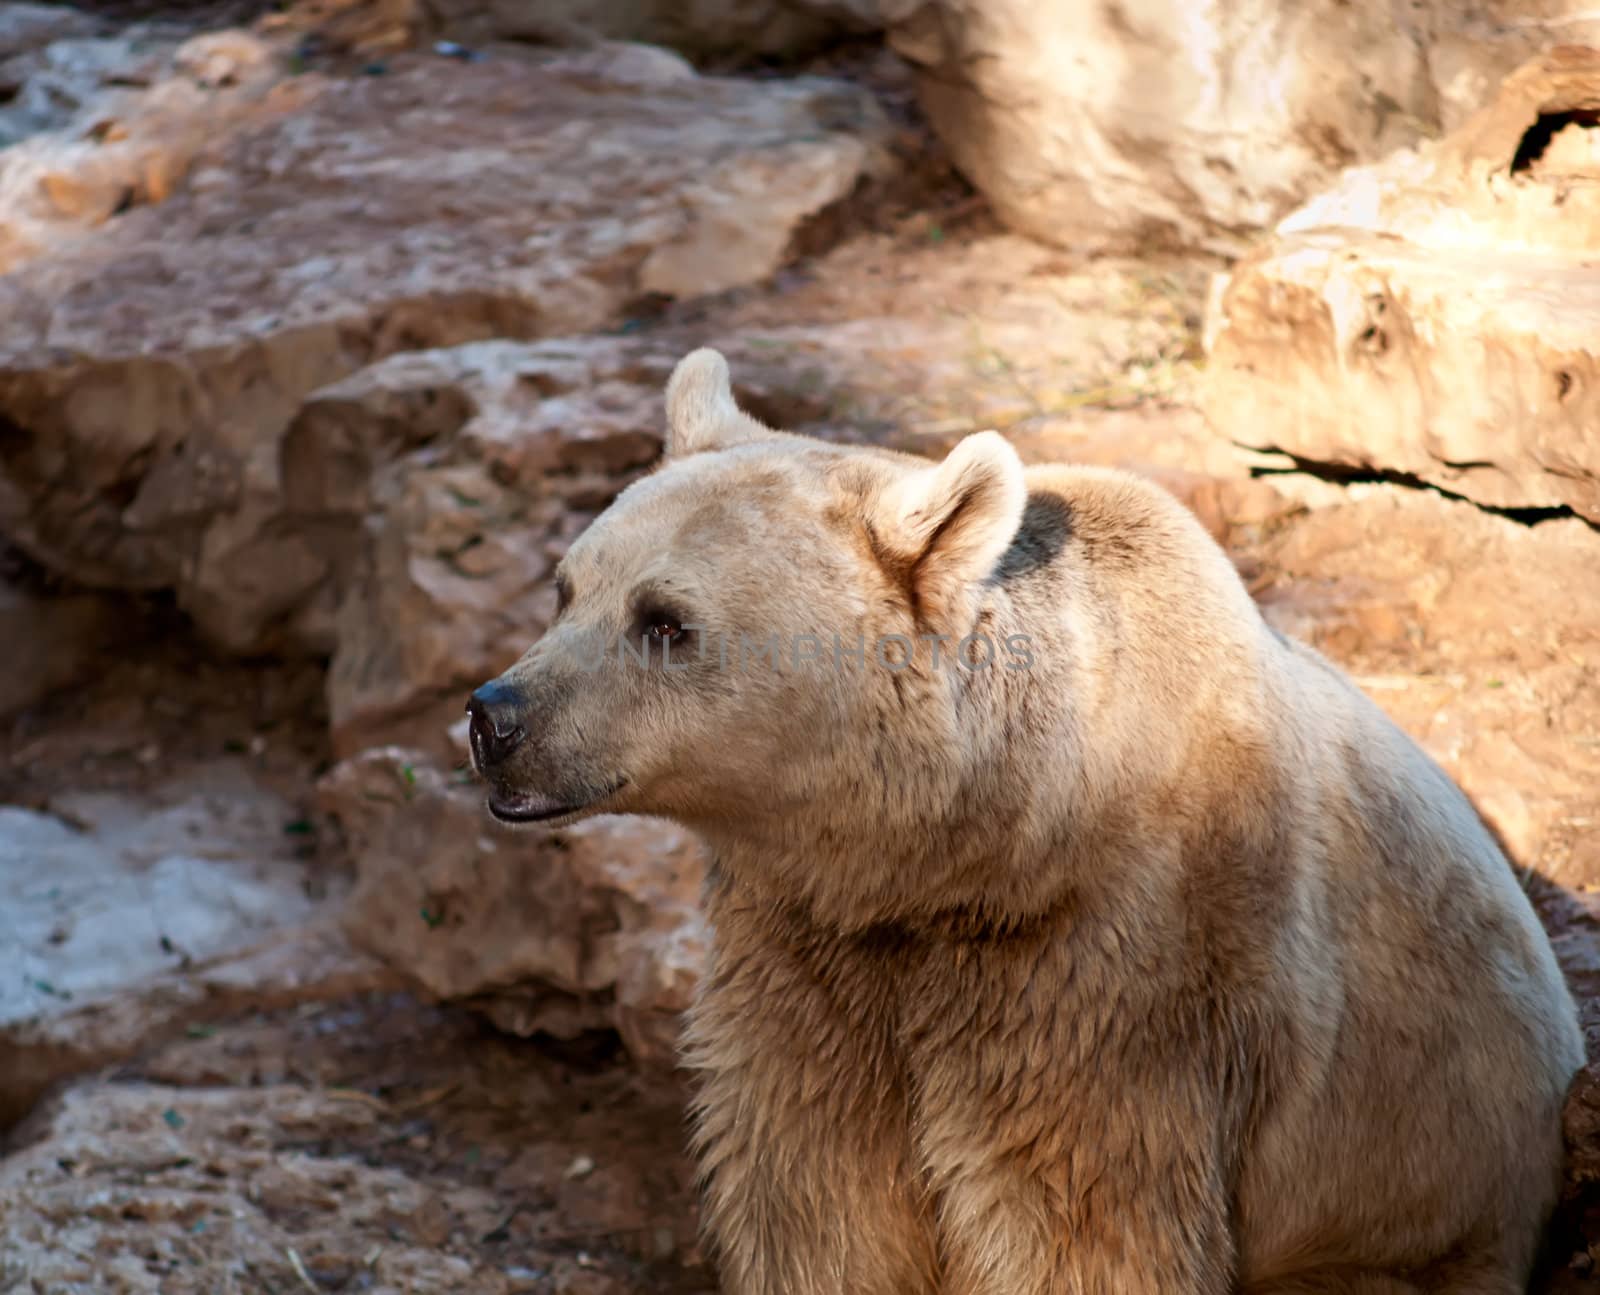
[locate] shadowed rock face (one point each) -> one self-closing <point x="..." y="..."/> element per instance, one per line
<point x="1436" y="315"/>
<point x="699" y="28"/>
<point x="148" y="373"/>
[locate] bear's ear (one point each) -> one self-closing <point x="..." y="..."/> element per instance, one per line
<point x="701" y="412"/>
<point x="947" y="525"/>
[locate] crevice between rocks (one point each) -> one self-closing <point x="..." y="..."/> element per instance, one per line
<point x="1536" y="139"/>
<point x="1345" y="474"/>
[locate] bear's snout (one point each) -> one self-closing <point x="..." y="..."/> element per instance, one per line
<point x="495" y="728"/>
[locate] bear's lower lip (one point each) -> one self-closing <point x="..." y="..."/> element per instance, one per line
<point x="543" y="809"/>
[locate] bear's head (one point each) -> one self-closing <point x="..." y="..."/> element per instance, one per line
<point x="752" y="630"/>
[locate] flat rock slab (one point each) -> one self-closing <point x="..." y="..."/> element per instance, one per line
<point x="1437" y="315"/>
<point x="150" y="364"/>
<point x="123" y="916"/>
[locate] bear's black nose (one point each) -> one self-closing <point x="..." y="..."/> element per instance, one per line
<point x="495" y="729"/>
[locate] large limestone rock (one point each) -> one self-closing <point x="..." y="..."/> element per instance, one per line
<point x="591" y="926"/>
<point x="151" y="363"/>
<point x="52" y="59"/>
<point x="1100" y="123"/>
<point x="25" y="26"/>
<point x="1438" y="314"/>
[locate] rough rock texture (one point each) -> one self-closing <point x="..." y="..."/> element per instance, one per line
<point x="442" y="486"/>
<point x="1439" y="314"/>
<point x="1095" y="123"/>
<point x="554" y="932"/>
<point x="125" y="916"/>
<point x="115" y="122"/>
<point x="148" y="372"/>
<point x="218" y="1174"/>
<point x="701" y="28"/>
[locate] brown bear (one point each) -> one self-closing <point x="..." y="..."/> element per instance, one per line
<point x="1075" y="931"/>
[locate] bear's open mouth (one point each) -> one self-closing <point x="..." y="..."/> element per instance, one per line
<point x="545" y="809"/>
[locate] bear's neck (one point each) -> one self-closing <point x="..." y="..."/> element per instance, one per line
<point x="982" y="841"/>
<point x="1043" y="823"/>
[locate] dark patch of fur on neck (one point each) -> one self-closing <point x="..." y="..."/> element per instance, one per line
<point x="1045" y="529"/>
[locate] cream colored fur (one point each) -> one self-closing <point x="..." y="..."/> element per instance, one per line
<point x="1165" y="966"/>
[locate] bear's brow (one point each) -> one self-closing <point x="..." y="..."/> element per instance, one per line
<point x="653" y="597"/>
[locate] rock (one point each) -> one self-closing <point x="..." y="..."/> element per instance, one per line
<point x="862" y="15"/>
<point x="1478" y="635"/>
<point x="1095" y="124"/>
<point x="149" y="369"/>
<point x="444" y="485"/>
<point x="51" y="61"/>
<point x="50" y="642"/>
<point x="1436" y="315"/>
<point x="150" y="1188"/>
<point x="27" y="27"/>
<point x="591" y="926"/>
<point x="115" y="122"/>
<point x="917" y="344"/>
<point x="375" y="1144"/>
<point x="723" y="29"/>
<point x="127" y="917"/>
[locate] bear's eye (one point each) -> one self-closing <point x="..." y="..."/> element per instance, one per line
<point x="563" y="593"/>
<point x="659" y="619"/>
